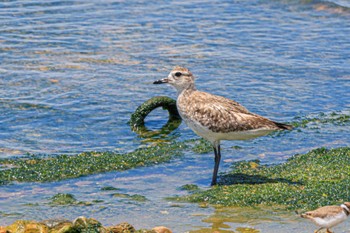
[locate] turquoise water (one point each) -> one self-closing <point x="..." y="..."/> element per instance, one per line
<point x="72" y="72"/>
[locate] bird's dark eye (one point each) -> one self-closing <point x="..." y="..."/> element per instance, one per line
<point x="178" y="74"/>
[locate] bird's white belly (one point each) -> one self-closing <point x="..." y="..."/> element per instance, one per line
<point x="211" y="136"/>
<point x="330" y="221"/>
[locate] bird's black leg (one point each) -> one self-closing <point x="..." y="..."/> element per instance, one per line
<point x="217" y="162"/>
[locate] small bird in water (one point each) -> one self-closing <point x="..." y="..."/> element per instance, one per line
<point x="328" y="216"/>
<point x="215" y="118"/>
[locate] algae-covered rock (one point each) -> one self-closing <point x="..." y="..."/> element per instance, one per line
<point x="108" y="188"/>
<point x="67" y="199"/>
<point x="63" y="199"/>
<point x="79" y="225"/>
<point x="122" y="228"/>
<point x="24" y="226"/>
<point x="88" y="225"/>
<point x="134" y="197"/>
<point x="35" y="227"/>
<point x="65" y="227"/>
<point x="59" y="225"/>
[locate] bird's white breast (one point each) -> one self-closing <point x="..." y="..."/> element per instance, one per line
<point x="211" y="136"/>
<point x="330" y="221"/>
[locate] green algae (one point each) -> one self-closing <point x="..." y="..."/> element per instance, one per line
<point x="108" y="188"/>
<point x="189" y="187"/>
<point x="315" y="120"/>
<point x="97" y="201"/>
<point x="87" y="225"/>
<point x="63" y="199"/>
<point x="201" y="146"/>
<point x="137" y="119"/>
<point x="320" y="177"/>
<point x="4" y="214"/>
<point x="39" y="168"/>
<point x="134" y="197"/>
<point x="66" y="199"/>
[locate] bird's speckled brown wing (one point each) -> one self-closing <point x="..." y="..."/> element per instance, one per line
<point x="220" y="114"/>
<point x="324" y="212"/>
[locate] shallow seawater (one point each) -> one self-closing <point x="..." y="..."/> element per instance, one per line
<point x="72" y="73"/>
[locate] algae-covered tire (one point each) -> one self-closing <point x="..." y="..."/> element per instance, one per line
<point x="137" y="120"/>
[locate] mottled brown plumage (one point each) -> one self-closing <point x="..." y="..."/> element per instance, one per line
<point x="216" y="118"/>
<point x="323" y="212"/>
<point x="220" y="114"/>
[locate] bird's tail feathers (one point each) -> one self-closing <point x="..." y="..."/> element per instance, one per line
<point x="283" y="126"/>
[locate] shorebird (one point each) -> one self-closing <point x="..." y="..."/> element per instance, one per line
<point x="215" y="118"/>
<point x="328" y="216"/>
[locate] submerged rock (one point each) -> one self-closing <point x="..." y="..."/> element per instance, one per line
<point x="63" y="199"/>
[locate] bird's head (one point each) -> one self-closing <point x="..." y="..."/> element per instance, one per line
<point x="346" y="206"/>
<point x="180" y="78"/>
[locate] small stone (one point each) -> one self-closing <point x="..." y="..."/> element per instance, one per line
<point x="162" y="229"/>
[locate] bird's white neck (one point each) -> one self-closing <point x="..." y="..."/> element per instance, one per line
<point x="181" y="89"/>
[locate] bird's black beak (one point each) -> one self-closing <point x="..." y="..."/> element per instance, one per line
<point x="160" y="81"/>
